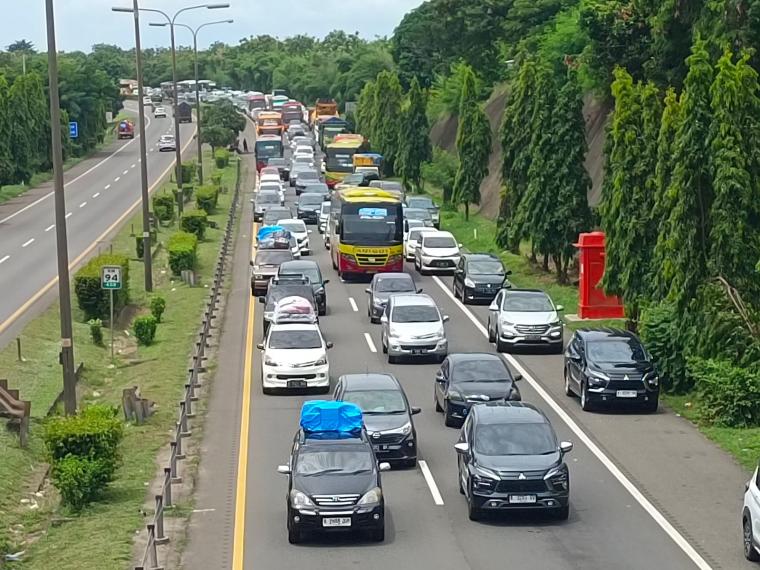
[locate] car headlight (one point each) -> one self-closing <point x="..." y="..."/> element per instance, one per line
<point x="556" y="323"/>
<point x="558" y="477"/>
<point x="597" y="378"/>
<point x="455" y="396"/>
<point x="299" y="500"/>
<point x="405" y="429"/>
<point x="506" y="323"/>
<point x="269" y="362"/>
<point x="484" y="479"/>
<point x="321" y="362"/>
<point x="486" y="473"/>
<point x="653" y="379"/>
<point x="468" y="282"/>
<point x="371" y="497"/>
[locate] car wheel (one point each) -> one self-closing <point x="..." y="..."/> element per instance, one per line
<point x="392" y="359"/>
<point x="464" y="296"/>
<point x="459" y="483"/>
<point x="473" y="512"/>
<point x="568" y="388"/>
<point x="491" y="334"/>
<point x="651" y="405"/>
<point x="322" y="311"/>
<point x="448" y="419"/>
<point x="409" y="463"/>
<point x="501" y="346"/>
<point x="749" y="549"/>
<point x="454" y="289"/>
<point x="377" y="535"/>
<point x="416" y="265"/>
<point x="562" y="513"/>
<point x="586" y="404"/>
<point x="438" y="407"/>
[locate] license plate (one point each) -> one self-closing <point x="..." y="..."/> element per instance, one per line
<point x="522" y="499"/>
<point x="336" y="521"/>
<point x="626" y="393"/>
<point x="382" y="447"/>
<point x="534" y="337"/>
<point x="296" y="383"/>
<point x="418" y="351"/>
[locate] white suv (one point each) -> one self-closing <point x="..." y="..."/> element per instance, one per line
<point x="293" y="357"/>
<point x="751" y="518"/>
<point x="436" y="251"/>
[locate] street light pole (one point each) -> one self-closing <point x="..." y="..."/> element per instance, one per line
<point x="64" y="292"/>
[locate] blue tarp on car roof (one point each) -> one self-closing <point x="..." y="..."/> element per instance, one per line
<point x="321" y="416"/>
<point x="272" y="231"/>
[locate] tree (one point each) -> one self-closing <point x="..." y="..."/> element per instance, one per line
<point x="441" y="171"/>
<point x="473" y="147"/>
<point x="7" y="169"/>
<point x="217" y="136"/>
<point x="387" y="118"/>
<point x="24" y="46"/>
<point x="414" y="138"/>
<point x="224" y="114"/>
<point x="22" y="131"/>
<point x="365" y="109"/>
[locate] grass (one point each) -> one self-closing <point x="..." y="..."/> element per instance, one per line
<point x="102" y="536"/>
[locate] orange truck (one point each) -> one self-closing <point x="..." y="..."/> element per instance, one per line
<point x="269" y="123"/>
<point x="323" y="108"/>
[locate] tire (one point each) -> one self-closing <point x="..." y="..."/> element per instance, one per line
<point x="459" y="483"/>
<point x="416" y="267"/>
<point x="651" y="405"/>
<point x="374" y="320"/>
<point x="392" y="359"/>
<point x="464" y="296"/>
<point x="568" y="388"/>
<point x="473" y="512"/>
<point x="501" y="346"/>
<point x="322" y="312"/>
<point x="562" y="513"/>
<point x="586" y="404"/>
<point x="749" y="549"/>
<point x="377" y="535"/>
<point x="491" y="334"/>
<point x="454" y="289"/>
<point x="409" y="463"/>
<point x="438" y="407"/>
<point x="448" y="420"/>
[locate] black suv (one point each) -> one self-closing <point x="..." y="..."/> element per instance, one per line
<point x="310" y="269"/>
<point x="610" y="366"/>
<point x="285" y="286"/>
<point x="309" y="206"/>
<point x="509" y="459"/>
<point x="479" y="277"/>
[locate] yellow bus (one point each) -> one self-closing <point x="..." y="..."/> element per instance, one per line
<point x="366" y="231"/>
<point x="338" y="157"/>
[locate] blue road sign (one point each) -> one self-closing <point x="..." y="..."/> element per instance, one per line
<point x="73" y="130"/>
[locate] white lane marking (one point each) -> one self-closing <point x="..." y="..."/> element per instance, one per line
<point x="125" y="172"/>
<point x="50" y="227"/>
<point x="107" y="186"/>
<point x="4" y="259"/>
<point x="133" y="165"/>
<point x="658" y="517"/>
<point x="28" y="242"/>
<point x="68" y="215"/>
<point x="83" y="204"/>
<point x="96" y="194"/>
<point x="117" y="179"/>
<point x="150" y="149"/>
<point x="370" y="344"/>
<point x="428" y="475"/>
<point x="353" y="304"/>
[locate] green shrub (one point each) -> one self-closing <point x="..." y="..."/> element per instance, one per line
<point x="157" y="306"/>
<point x="188" y="170"/>
<point x="206" y="198"/>
<point x="79" y="480"/>
<point x="91" y="298"/>
<point x="661" y="329"/>
<point x="182" y="248"/>
<point x="216" y="179"/>
<point x="222" y="157"/>
<point x="187" y="192"/>
<point x="163" y="206"/>
<point x="729" y="396"/>
<point x="96" y="331"/>
<point x="145" y="329"/>
<point x="194" y="222"/>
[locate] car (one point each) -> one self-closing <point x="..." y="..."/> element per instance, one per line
<point x="410" y="224"/>
<point x="610" y="366"/>
<point x="751" y="518"/>
<point x="384" y="285"/>
<point x="294" y="356"/>
<point x="262" y="202"/>
<point x="304" y="150"/>
<point x="355" y="179"/>
<point x="466" y="379"/>
<point x="304" y="179"/>
<point x="436" y="251"/>
<point x="304" y="160"/>
<point x="412" y="326"/>
<point x="334" y="482"/>
<point x="274" y="213"/>
<point x="413" y="239"/>
<point x="269" y="172"/>
<point x="387" y="415"/>
<point x="167" y="143"/>
<point x="525" y="318"/>
<point x="295" y="130"/>
<point x="479" y="277"/>
<point x="301" y="140"/>
<point x="298" y="230"/>
<point x="281" y="286"/>
<point x="316" y="188"/>
<point x="509" y="458"/>
<point x="269" y="177"/>
<point x="159" y="112"/>
<point x="270" y="186"/>
<point x="295" y="172"/>
<point x="310" y="269"/>
<point x="419" y="214"/>
<point x="282" y="167"/>
<point x="309" y="206"/>
<point x="425" y="203"/>
<point x="264" y="266"/>
<point x="390" y="185"/>
<point x="324" y="216"/>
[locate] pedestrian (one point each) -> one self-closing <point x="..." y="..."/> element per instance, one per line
<point x="245" y="146"/>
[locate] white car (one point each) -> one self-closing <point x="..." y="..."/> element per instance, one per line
<point x="412" y="239"/>
<point x="294" y="356"/>
<point x="304" y="150"/>
<point x="167" y="143"/>
<point x="160" y="112"/>
<point x="412" y="326"/>
<point x="324" y="216"/>
<point x="751" y="518"/>
<point x="436" y="251"/>
<point x="273" y="187"/>
<point x="303" y="159"/>
<point x="299" y="231"/>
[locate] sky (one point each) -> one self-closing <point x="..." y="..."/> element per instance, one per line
<point x="82" y="23"/>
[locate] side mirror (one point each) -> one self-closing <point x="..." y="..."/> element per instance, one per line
<point x="560" y="307"/>
<point x="325" y="282"/>
<point x="445" y="318"/>
<point x="384" y="466"/>
<point x="508" y="272"/>
<point x="283" y="469"/>
<point x="419" y="290"/>
<point x="459" y="245"/>
<point x="308" y="231"/>
<point x="566" y="446"/>
<point x="251" y="263"/>
<point x="368" y="290"/>
<point x="260" y="345"/>
<point x="462" y="447"/>
<point x="518" y="377"/>
<point x="384" y="319"/>
<point x="262" y="300"/>
<point x="493" y="306"/>
<point x="416" y="410"/>
<point x="439" y="376"/>
<point x="329" y="344"/>
<point x="252" y="200"/>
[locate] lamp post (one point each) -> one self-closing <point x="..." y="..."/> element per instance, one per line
<point x="147" y="254"/>
<point x="64" y="292"/>
<point x="197" y="87"/>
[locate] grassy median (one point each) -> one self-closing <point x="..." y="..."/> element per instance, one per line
<point x="102" y="536"/>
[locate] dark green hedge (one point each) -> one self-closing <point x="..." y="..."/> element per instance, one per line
<point x="93" y="300"/>
<point x="163" y="206"/>
<point x="206" y="198"/>
<point x="222" y="158"/>
<point x="195" y="222"/>
<point x="182" y="248"/>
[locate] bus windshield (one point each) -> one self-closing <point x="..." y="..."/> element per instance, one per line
<point x="339" y="159"/>
<point x="371" y="224"/>
<point x="268" y="149"/>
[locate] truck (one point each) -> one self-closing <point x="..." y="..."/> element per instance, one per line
<point x="184" y="112"/>
<point x="323" y="108"/>
<point x="126" y="129"/>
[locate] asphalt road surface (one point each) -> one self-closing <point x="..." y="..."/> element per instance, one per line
<point x="100" y="192"/>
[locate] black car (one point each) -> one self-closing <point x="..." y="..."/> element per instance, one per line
<point x="466" y="379"/>
<point x="334" y="485"/>
<point x="310" y="269"/>
<point x="296" y="170"/>
<point x="282" y="167"/>
<point x="306" y="178"/>
<point x="509" y="459"/>
<point x="317" y="188"/>
<point x="359" y="179"/>
<point x="383" y="286"/>
<point x="479" y="277"/>
<point x="387" y="415"/>
<point x="610" y="366"/>
<point x="309" y="206"/>
<point x="285" y="286"/>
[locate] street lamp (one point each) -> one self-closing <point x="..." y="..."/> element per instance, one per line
<point x="197" y="87"/>
<point x="147" y="255"/>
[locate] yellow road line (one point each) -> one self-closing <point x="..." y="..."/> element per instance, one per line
<point x="34" y="298"/>
<point x="238" y="546"/>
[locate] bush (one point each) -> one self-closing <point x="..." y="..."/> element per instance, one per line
<point x="145" y="329"/>
<point x="729" y="395"/>
<point x="188" y="170"/>
<point x="93" y="300"/>
<point x="222" y="157"/>
<point x="157" y="307"/>
<point x="182" y="248"/>
<point x="216" y="179"/>
<point x="206" y="198"/>
<point x="163" y="206"/>
<point x="662" y="331"/>
<point x="194" y="222"/>
<point x="187" y="192"/>
<point x="96" y="331"/>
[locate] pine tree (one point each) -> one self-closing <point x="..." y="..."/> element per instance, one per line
<point x="473" y="147"/>
<point x="414" y="139"/>
<point x="7" y="169"/>
<point x="387" y="117"/>
<point x="364" y="110"/>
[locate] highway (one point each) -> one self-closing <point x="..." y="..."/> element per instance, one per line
<point x="100" y="192"/>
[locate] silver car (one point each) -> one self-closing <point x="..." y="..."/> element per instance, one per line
<point x="412" y="325"/>
<point x="524" y="317"/>
<point x="436" y="251"/>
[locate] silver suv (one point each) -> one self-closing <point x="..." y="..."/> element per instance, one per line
<point x="412" y="325"/>
<point x="524" y="317"/>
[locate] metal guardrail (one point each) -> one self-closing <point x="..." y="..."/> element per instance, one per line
<point x="155" y="529"/>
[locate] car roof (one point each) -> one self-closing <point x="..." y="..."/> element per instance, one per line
<point x="605" y="333"/>
<point x="412" y="300"/>
<point x="392" y="275"/>
<point x="370" y="381"/>
<point x="300" y="263"/>
<point x="456" y="357"/>
<point x="480" y="256"/>
<point x="541" y="291"/>
<point x="291" y="221"/>
<point x="509" y="412"/>
<point x="439" y="233"/>
<point x="294" y="327"/>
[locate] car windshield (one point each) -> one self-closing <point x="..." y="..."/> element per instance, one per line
<point x="615" y="350"/>
<point x="310" y="199"/>
<point x="320" y="188"/>
<point x="333" y="462"/>
<point x="439" y="242"/>
<point x="485" y="268"/>
<point x="491" y="370"/>
<point x="276" y="162"/>
<point x="311" y="272"/>
<point x="527" y="302"/>
<point x="353" y="179"/>
<point x="377" y="401"/>
<point x="272" y="257"/>
<point x="394" y="284"/>
<point x="414" y="224"/>
<point x="420" y="203"/>
<point x="268" y="198"/>
<point x="415" y="314"/>
<point x="302" y="158"/>
<point x="417" y="214"/>
<point x="414" y="235"/>
<point x="295" y="339"/>
<point x="308" y="175"/>
<point x="294" y="227"/>
<point x="515" y="439"/>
